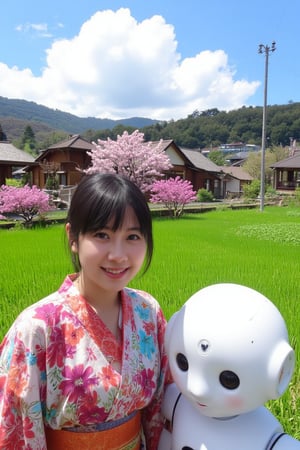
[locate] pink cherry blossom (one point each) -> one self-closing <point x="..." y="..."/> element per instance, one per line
<point x="174" y="193"/>
<point x="142" y="162"/>
<point x="25" y="202"/>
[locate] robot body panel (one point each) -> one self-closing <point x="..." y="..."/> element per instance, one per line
<point x="229" y="353"/>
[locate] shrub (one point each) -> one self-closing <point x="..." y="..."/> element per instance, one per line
<point x="252" y="190"/>
<point x="297" y="195"/>
<point x="271" y="192"/>
<point x="13" y="182"/>
<point x="204" y="196"/>
<point x="52" y="182"/>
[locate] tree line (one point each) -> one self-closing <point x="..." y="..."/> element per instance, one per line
<point x="201" y="129"/>
<point x="211" y="128"/>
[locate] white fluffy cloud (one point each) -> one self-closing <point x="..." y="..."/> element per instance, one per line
<point x="116" y="67"/>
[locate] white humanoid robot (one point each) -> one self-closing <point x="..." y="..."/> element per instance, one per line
<point x="229" y="353"/>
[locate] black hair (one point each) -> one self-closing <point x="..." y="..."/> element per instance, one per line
<point x="103" y="197"/>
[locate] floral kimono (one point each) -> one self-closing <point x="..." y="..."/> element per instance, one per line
<point x="56" y="368"/>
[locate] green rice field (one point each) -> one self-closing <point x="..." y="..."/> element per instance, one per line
<point x="258" y="249"/>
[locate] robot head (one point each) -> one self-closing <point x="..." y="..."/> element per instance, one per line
<point x="228" y="350"/>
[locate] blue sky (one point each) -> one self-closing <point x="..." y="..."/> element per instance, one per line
<point x="162" y="59"/>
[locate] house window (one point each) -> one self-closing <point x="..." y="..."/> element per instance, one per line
<point x="284" y="177"/>
<point x="62" y="178"/>
<point x="174" y="174"/>
<point x="290" y="175"/>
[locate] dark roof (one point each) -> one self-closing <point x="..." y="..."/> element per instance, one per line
<point x="193" y="157"/>
<point x="200" y="161"/>
<point x="9" y="154"/>
<point x="293" y="162"/>
<point x="165" y="142"/>
<point x="169" y="143"/>
<point x="75" y="142"/>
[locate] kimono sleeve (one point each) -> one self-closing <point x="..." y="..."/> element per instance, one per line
<point x="21" y="424"/>
<point x="152" y="417"/>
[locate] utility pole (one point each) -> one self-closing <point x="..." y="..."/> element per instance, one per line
<point x="266" y="50"/>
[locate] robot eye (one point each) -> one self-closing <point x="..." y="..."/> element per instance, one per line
<point x="229" y="380"/>
<point x="182" y="362"/>
<point x="187" y="448"/>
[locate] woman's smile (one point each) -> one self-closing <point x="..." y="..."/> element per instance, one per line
<point x="115" y="273"/>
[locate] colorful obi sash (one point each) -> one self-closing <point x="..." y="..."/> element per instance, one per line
<point x="124" y="434"/>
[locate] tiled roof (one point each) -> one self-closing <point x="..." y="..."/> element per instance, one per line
<point x="10" y="154"/>
<point x="75" y="141"/>
<point x="200" y="161"/>
<point x="293" y="162"/>
<point x="164" y="142"/>
<point x="237" y="172"/>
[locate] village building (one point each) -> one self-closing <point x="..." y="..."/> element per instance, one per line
<point x="12" y="159"/>
<point x="63" y="164"/>
<point x="287" y="173"/>
<point x="63" y="161"/>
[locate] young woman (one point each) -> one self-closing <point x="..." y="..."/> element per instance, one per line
<point x="85" y="367"/>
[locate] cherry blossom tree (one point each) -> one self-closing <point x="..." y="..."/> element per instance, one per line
<point x="25" y="201"/>
<point x="174" y="193"/>
<point x="142" y="162"/>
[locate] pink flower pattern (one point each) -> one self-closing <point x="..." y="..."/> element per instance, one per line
<point x="77" y="382"/>
<point x="55" y="368"/>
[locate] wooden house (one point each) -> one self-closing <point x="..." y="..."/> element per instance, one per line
<point x="287" y="173"/>
<point x="192" y="165"/>
<point x="12" y="158"/>
<point x="65" y="160"/>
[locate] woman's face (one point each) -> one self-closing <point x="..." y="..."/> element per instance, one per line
<point x="110" y="259"/>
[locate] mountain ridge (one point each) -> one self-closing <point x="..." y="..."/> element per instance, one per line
<point x="60" y="120"/>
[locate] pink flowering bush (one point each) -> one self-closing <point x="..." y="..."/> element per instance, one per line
<point x="142" y="162"/>
<point x="174" y="193"/>
<point x="25" y="202"/>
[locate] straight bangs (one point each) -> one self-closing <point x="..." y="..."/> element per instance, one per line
<point x="102" y="199"/>
<point x="104" y="210"/>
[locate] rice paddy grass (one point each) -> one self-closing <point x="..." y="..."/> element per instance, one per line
<point x="258" y="249"/>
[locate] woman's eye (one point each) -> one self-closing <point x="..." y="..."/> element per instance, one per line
<point x="101" y="235"/>
<point x="134" y="237"/>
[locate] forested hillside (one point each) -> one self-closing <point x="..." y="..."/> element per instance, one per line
<point x="209" y="129"/>
<point x="59" y="120"/>
<point x="212" y="127"/>
<point x="201" y="129"/>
